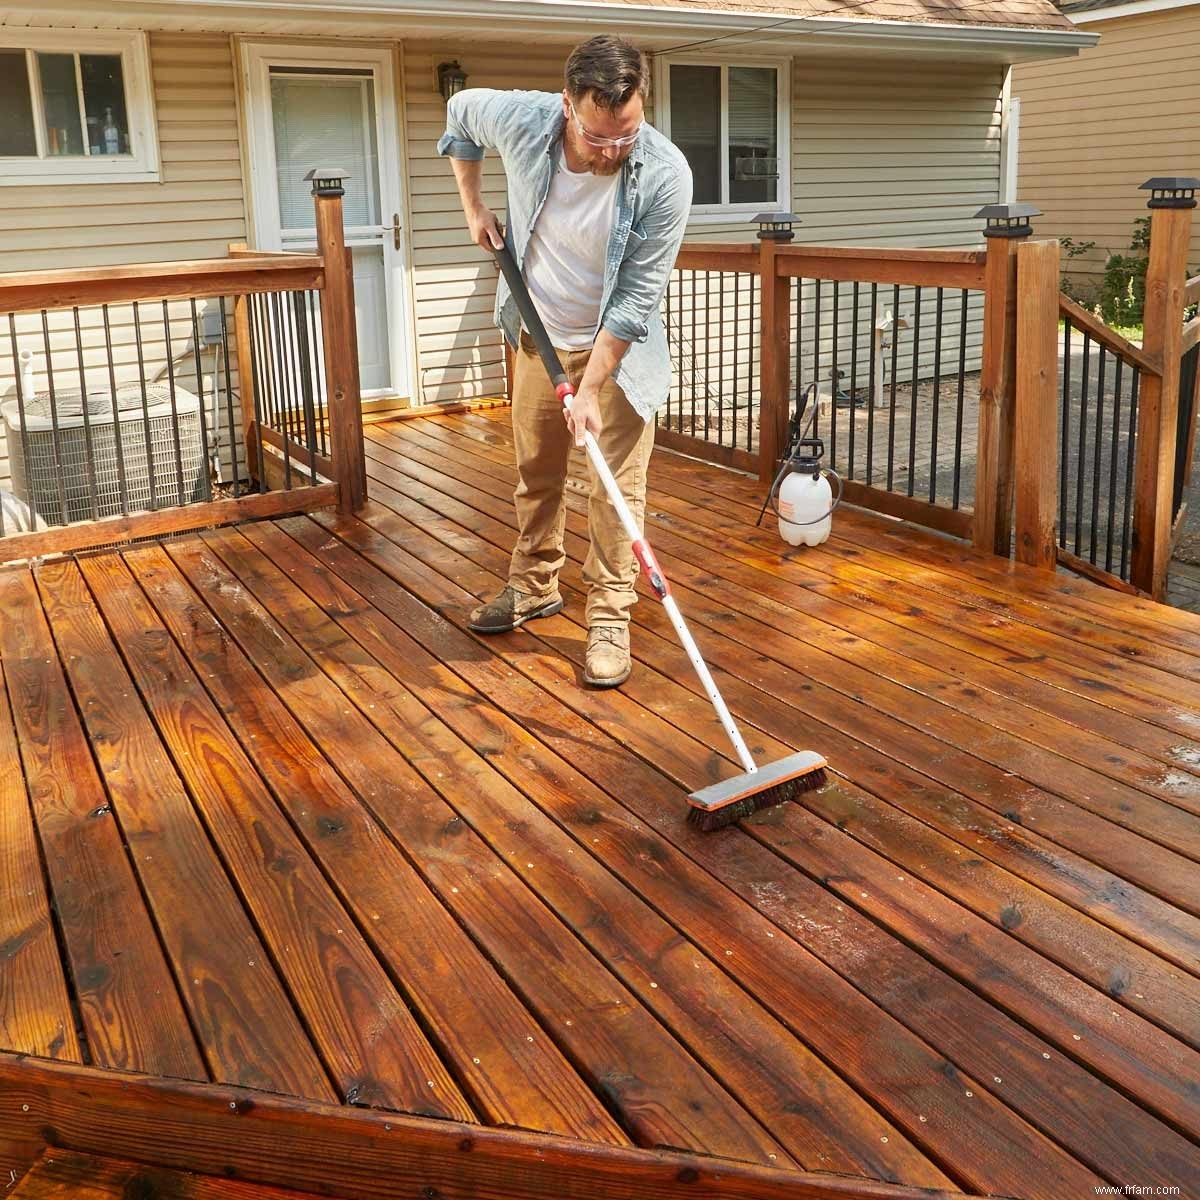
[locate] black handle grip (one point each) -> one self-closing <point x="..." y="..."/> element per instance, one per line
<point x="529" y="315"/>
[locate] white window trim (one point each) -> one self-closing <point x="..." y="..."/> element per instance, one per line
<point x="142" y="164"/>
<point x="718" y="214"/>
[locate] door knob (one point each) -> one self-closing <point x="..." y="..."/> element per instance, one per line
<point x="396" y="230"/>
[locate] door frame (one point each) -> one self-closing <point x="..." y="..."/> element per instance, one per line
<point x="256" y="57"/>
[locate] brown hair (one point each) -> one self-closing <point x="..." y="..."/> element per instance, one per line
<point x="610" y="69"/>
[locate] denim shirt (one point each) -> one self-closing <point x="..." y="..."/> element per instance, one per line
<point x="653" y="203"/>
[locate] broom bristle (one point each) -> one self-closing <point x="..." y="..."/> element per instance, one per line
<point x="708" y="819"/>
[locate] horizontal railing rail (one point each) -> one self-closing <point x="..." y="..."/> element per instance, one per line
<point x="200" y="279"/>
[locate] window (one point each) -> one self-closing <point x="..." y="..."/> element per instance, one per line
<point x="76" y="108"/>
<point x="730" y="121"/>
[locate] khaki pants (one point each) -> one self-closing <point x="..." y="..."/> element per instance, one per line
<point x="543" y="445"/>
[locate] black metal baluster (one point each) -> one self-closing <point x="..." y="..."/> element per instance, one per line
<point x="89" y="442"/>
<point x="275" y="364"/>
<point x="853" y="410"/>
<point x="962" y="388"/>
<point x="1064" y="436"/>
<point x="1114" y="454"/>
<point x="1127" y="523"/>
<point x="871" y="389"/>
<point x="21" y="398"/>
<point x="258" y="392"/>
<point x="937" y="390"/>
<point x="151" y="466"/>
<point x="206" y="474"/>
<point x="310" y="300"/>
<point x="916" y="374"/>
<point x="234" y="431"/>
<point x="895" y="331"/>
<point x="707" y="358"/>
<point x="751" y="344"/>
<point x="721" y="362"/>
<point x="306" y="389"/>
<point x="834" y="381"/>
<point x="798" y="386"/>
<point x="1096" y="457"/>
<point x="171" y="391"/>
<point x="1081" y="455"/>
<point x="737" y="308"/>
<point x="295" y="368"/>
<point x="692" y="430"/>
<point x="118" y="429"/>
<point x="55" y="433"/>
<point x="816" y="366"/>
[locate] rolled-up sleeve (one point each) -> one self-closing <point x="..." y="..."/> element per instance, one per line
<point x="474" y="123"/>
<point x="649" y="257"/>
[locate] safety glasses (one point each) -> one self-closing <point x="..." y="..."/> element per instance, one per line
<point x="593" y="139"/>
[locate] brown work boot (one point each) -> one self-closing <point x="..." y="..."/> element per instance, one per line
<point x="607" y="662"/>
<point x="511" y="609"/>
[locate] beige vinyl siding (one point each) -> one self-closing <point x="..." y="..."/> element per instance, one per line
<point x="883" y="153"/>
<point x="460" y="353"/>
<point x="1095" y="127"/>
<point x="196" y="210"/>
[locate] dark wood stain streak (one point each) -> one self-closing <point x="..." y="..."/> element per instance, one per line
<point x="131" y="1012"/>
<point x="220" y="978"/>
<point x="361" y="1025"/>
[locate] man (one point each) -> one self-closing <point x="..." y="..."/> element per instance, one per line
<point x="598" y="201"/>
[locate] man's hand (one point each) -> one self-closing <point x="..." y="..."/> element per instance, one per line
<point x="485" y="228"/>
<point x="584" y="414"/>
<point x="481" y="221"/>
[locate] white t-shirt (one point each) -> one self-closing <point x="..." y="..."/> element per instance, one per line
<point x="564" y="264"/>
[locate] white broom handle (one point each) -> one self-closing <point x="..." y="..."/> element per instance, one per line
<point x="600" y="465"/>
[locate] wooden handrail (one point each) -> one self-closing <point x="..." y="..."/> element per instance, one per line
<point x="719" y="256"/>
<point x="25" y="291"/>
<point x="1191" y="335"/>
<point x="1108" y="338"/>
<point x="868" y="264"/>
<point x="1191" y="290"/>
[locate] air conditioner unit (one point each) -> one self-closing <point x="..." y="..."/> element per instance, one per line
<point x="49" y="459"/>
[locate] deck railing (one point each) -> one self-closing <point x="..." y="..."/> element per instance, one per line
<point x="905" y="363"/>
<point x="876" y="351"/>
<point x="1105" y="429"/>
<point x="149" y="399"/>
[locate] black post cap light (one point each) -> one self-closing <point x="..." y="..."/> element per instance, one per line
<point x="451" y="79"/>
<point x="327" y="181"/>
<point x="776" y="227"/>
<point x="1008" y="220"/>
<point x="1171" y="191"/>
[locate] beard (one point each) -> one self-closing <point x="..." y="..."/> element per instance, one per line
<point x="593" y="159"/>
<point x="603" y="166"/>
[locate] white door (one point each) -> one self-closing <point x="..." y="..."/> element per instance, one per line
<point x="334" y="107"/>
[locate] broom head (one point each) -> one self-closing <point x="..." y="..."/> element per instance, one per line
<point x="723" y="803"/>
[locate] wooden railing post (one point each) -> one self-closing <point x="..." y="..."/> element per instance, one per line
<point x="340" y="339"/>
<point x="775" y="377"/>
<point x="1171" y="203"/>
<point x="1035" y="463"/>
<point x="1007" y="226"/>
<point x="245" y="366"/>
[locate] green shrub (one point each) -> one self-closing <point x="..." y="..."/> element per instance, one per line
<point x="1123" y="288"/>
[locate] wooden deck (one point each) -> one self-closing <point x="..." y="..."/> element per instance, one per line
<point x="382" y="908"/>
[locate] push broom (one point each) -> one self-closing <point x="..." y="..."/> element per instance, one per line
<point x="719" y="804"/>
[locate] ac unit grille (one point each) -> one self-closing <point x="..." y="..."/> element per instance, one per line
<point x="50" y="470"/>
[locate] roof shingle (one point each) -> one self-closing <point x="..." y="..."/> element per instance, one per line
<point x="1018" y="14"/>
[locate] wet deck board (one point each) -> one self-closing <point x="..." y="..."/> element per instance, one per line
<point x="976" y="950"/>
